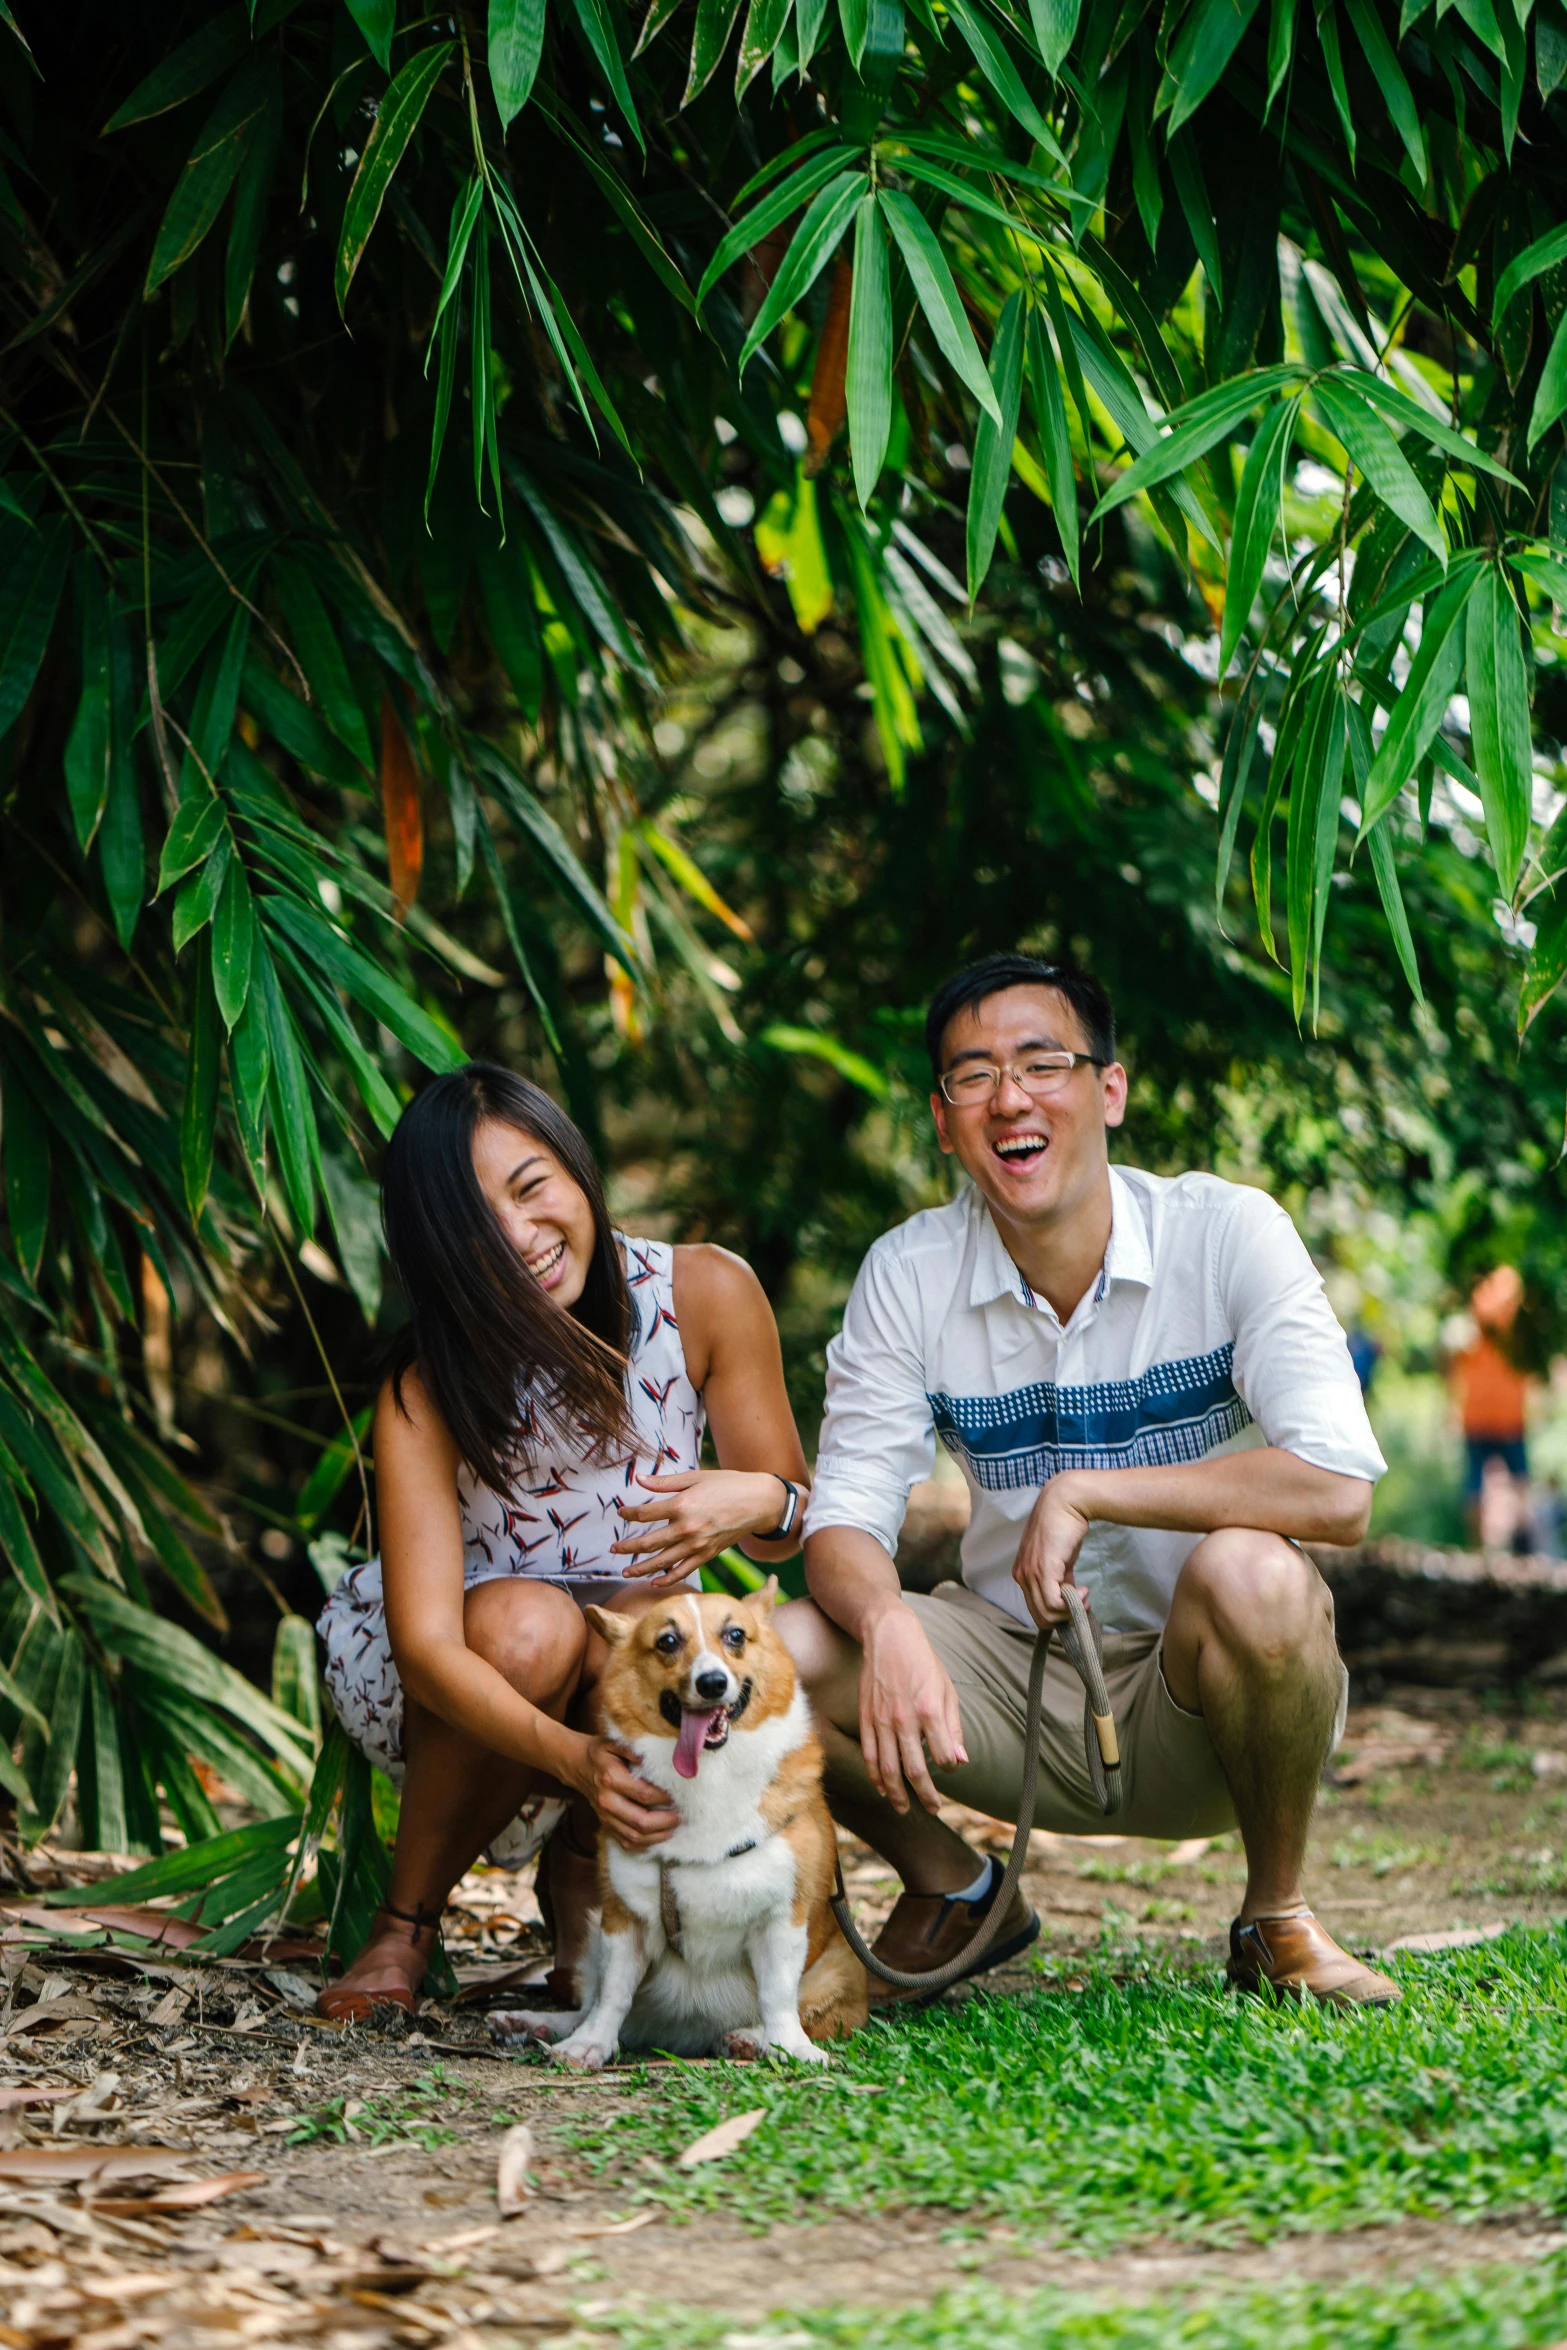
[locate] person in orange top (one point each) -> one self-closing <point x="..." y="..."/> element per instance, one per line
<point x="1492" y="1392"/>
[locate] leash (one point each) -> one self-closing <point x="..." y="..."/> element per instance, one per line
<point x="1082" y="1643"/>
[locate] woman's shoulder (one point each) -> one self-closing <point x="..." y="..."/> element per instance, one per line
<point x="717" y="1296"/>
<point x="408" y="1421"/>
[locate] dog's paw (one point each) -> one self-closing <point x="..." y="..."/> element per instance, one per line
<point x="742" y="2047"/>
<point x="520" y="2023"/>
<point x="798" y="2049"/>
<point x="583" y="2053"/>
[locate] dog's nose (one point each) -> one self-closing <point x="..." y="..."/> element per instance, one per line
<point x="712" y="1685"/>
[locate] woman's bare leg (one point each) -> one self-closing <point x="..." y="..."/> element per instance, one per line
<point x="458" y="1794"/>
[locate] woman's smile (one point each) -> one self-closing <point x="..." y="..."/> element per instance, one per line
<point x="545" y="1263"/>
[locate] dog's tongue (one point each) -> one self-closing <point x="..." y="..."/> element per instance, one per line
<point x="693" y="1734"/>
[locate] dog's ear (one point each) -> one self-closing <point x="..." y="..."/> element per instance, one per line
<point x="769" y="1595"/>
<point x="616" y="1629"/>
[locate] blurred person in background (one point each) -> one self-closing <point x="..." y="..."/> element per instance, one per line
<point x="1492" y="1394"/>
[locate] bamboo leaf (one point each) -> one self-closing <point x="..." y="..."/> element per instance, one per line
<point x="1194" y="429"/>
<point x="1256" y="518"/>
<point x="1379" y="842"/>
<point x="516" y="46"/>
<point x="197" y="899"/>
<point x="1498" y="688"/>
<point x="366" y="982"/>
<point x="195" y="832"/>
<point x="1207" y="40"/>
<point x="233" y="930"/>
<point x="396" y="120"/>
<point x="715" y="20"/>
<point x="1055" y="440"/>
<point x="25" y="1145"/>
<point x="599" y="31"/>
<point x="813" y="245"/>
<point x="1418" y="712"/>
<point x="993" y="444"/>
<point x="1387" y="470"/>
<point x="1391" y="80"/>
<point x="198" y="1119"/>
<point x="187" y="70"/>
<point x="377" y="20"/>
<point x="1533" y="262"/>
<point x="1401" y="409"/>
<point x="937" y="295"/>
<point x="32" y="574"/>
<point x="210" y="171"/>
<point x="1055" y="29"/>
<point x="315" y="644"/>
<point x="88" y="750"/>
<point x="1551" y="397"/>
<point x="869" y="384"/>
<point x="998" y="69"/>
<point x="764" y="24"/>
<point x="292" y="1119"/>
<point x="764" y="217"/>
<point x="252" y="188"/>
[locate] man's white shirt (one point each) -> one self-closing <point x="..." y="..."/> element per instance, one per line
<point x="1206" y="1331"/>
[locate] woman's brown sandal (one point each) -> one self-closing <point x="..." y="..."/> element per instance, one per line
<point x="346" y="2003"/>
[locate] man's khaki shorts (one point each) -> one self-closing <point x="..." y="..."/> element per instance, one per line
<point x="1171" y="1782"/>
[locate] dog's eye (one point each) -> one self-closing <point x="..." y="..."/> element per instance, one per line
<point x="667" y="1642"/>
<point x="734" y="1638"/>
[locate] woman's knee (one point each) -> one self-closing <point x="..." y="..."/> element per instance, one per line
<point x="532" y="1633"/>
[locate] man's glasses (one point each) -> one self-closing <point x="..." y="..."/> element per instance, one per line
<point x="1040" y="1075"/>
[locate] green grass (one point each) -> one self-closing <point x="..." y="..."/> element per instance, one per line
<point x="415" y="2116"/>
<point x="1479" y="2309"/>
<point x="1147" y="2104"/>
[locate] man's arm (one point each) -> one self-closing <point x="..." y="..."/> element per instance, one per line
<point x="907" y="1701"/>
<point x="1268" y="1488"/>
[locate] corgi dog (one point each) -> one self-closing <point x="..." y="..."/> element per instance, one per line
<point x="719" y="1941"/>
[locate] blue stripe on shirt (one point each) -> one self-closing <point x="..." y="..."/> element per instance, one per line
<point x="1172" y="1412"/>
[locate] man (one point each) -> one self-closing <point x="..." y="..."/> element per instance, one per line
<point x="1148" y="1394"/>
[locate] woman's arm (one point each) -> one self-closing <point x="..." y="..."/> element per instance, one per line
<point x="735" y="1362"/>
<point x="422" y="1576"/>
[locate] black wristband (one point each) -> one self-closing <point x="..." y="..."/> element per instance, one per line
<point x="785" y="1526"/>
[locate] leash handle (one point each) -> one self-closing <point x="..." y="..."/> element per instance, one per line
<point x="1081" y="1641"/>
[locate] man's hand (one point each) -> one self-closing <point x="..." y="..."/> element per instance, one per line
<point x="1048" y="1551"/>
<point x="907" y="1703"/>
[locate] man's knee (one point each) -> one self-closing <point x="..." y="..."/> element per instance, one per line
<point x="825" y="1659"/>
<point x="531" y="1633"/>
<point x="1257" y="1594"/>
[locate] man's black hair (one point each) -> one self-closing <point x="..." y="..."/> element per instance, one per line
<point x="1088" y="999"/>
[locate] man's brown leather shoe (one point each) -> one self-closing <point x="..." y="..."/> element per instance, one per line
<point x="926" y="1929"/>
<point x="1296" y="1958"/>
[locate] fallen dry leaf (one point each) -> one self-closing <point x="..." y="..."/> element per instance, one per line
<point x="1455" y="1938"/>
<point x="714" y="2144"/>
<point x="11" y="2097"/>
<point x="621" y="2227"/>
<point x="512" y="2168"/>
<point x="131" y="2285"/>
<point x="65" y="2007"/>
<point x="90" y="2162"/>
<point x="190" y="2195"/>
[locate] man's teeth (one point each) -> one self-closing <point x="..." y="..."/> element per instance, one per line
<point x="1023" y="1146"/>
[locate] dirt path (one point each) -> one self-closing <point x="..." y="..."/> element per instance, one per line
<point x="369" y="2159"/>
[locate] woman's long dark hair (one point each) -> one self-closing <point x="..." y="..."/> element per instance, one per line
<point x="493" y="1349"/>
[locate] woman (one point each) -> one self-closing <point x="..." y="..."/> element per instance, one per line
<point x="537" y="1446"/>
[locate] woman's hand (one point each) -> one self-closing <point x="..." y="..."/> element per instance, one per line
<point x="698" y="1513"/>
<point x="637" y="1814"/>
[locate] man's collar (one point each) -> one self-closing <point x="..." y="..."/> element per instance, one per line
<point x="1127" y="1258"/>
